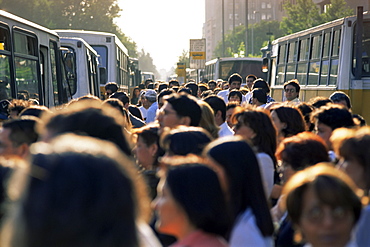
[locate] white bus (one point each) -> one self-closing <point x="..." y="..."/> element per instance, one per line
<point x="81" y="64"/>
<point x="113" y="61"/>
<point x="324" y="59"/>
<point x="30" y="62"/>
<point x="222" y="68"/>
<point x="147" y="75"/>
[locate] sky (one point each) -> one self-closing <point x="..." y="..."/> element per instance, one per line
<point x="162" y="28"/>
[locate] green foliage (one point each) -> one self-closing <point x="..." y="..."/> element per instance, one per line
<point x="336" y="10"/>
<point x="146" y="63"/>
<point x="261" y="33"/>
<point x="129" y="43"/>
<point x="184" y="58"/>
<point x="233" y="42"/>
<point x="302" y="15"/>
<point x="93" y="15"/>
<point x="305" y="14"/>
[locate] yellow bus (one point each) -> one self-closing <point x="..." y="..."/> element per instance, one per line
<point x="326" y="58"/>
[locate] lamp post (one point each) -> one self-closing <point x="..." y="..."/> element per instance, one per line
<point x="246" y="27"/>
<point x="254" y="22"/>
<point x="223" y="28"/>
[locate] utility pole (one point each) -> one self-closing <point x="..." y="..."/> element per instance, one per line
<point x="246" y="28"/>
<point x="223" y="28"/>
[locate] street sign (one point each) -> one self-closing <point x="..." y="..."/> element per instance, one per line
<point x="181" y="70"/>
<point x="197" y="53"/>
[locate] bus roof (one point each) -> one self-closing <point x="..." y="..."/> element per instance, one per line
<point x="65" y="40"/>
<point x="225" y="59"/>
<point x="85" y="34"/>
<point x="26" y="22"/>
<point x="318" y="28"/>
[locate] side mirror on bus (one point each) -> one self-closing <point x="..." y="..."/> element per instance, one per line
<point x="103" y="75"/>
<point x="265" y="65"/>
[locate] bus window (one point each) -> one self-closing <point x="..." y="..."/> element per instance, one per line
<point x="303" y="49"/>
<point x="314" y="68"/>
<point x="365" y="50"/>
<point x="281" y="58"/>
<point x="316" y="47"/>
<point x="302" y="73"/>
<point x="326" y="45"/>
<point x="336" y="43"/>
<point x="325" y="59"/>
<point x="26" y="71"/>
<point x="280" y="78"/>
<point x="333" y="72"/>
<point x="292" y="52"/>
<point x="324" y="72"/>
<point x="103" y="55"/>
<point x="292" y="56"/>
<point x="5" y="91"/>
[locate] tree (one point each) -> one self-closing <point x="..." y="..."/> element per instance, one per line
<point x="91" y="15"/>
<point x="184" y="58"/>
<point x="301" y="15"/>
<point x="129" y="44"/>
<point x="263" y="32"/>
<point x="337" y="9"/>
<point x="305" y="14"/>
<point x="234" y="43"/>
<point x="146" y="63"/>
<point x="235" y="46"/>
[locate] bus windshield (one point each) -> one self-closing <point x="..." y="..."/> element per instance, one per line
<point x="244" y="68"/>
<point x="103" y="52"/>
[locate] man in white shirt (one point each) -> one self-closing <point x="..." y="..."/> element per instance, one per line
<point x="151" y="96"/>
<point x="235" y="81"/>
<point x="219" y="109"/>
<point x="144" y="105"/>
<point x="291" y="92"/>
<point x="259" y="97"/>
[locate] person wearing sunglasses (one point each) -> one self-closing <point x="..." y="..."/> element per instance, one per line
<point x="291" y="91"/>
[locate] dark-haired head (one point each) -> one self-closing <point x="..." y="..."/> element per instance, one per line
<point x="185" y="140"/>
<point x="186" y="106"/>
<point x="260" y="83"/>
<point x="245" y="186"/>
<point x="333" y="116"/>
<point x="291" y="118"/>
<point x="259" y="121"/>
<point x="330" y="188"/>
<point x="86" y="188"/>
<point x="235" y="95"/>
<point x="196" y="188"/>
<point x="91" y="119"/>
<point x="193" y="87"/>
<point x="35" y="110"/>
<point x="341" y="98"/>
<point x="302" y="150"/>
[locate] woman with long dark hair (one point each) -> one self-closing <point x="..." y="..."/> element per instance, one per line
<point x="252" y="223"/>
<point x="255" y="125"/>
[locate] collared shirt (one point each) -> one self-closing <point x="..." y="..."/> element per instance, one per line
<point x="225" y="130"/>
<point x="296" y="101"/>
<point x="151" y="113"/>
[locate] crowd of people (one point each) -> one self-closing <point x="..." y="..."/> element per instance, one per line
<point x="209" y="164"/>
